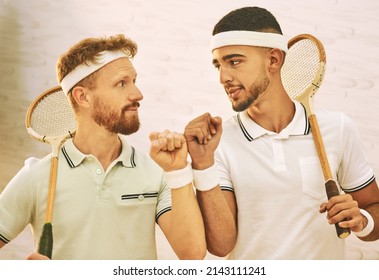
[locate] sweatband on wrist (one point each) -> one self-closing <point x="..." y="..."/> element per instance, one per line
<point x="179" y="178"/>
<point x="85" y="69"/>
<point x="369" y="227"/>
<point x="249" y="38"/>
<point x="206" y="179"/>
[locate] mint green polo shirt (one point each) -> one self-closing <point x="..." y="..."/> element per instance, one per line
<point x="98" y="214"/>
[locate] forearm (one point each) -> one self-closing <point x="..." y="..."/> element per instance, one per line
<point x="218" y="208"/>
<point x="186" y="229"/>
<point x="220" y="221"/>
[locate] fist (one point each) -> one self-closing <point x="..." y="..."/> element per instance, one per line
<point x="169" y="150"/>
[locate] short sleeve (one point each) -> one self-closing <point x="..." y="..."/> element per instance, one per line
<point x="224" y="171"/>
<point x="17" y="203"/>
<point x="355" y="172"/>
<point x="164" y="199"/>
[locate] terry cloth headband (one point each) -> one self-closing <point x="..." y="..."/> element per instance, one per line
<point x="249" y="38"/>
<point x="85" y="69"/>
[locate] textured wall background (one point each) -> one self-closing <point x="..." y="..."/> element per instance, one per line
<point x="173" y="64"/>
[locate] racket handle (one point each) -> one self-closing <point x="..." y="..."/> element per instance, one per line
<point x="52" y="187"/>
<point x="332" y="190"/>
<point x="46" y="241"/>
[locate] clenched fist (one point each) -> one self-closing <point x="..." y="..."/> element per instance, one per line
<point x="169" y="150"/>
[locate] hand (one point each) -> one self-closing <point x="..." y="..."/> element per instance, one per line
<point x="169" y="150"/>
<point x="203" y="136"/>
<point x="342" y="207"/>
<point x="36" y="256"/>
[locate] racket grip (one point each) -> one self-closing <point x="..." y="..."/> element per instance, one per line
<point x="332" y="190"/>
<point x="46" y="241"/>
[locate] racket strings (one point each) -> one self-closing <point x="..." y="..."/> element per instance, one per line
<point x="300" y="67"/>
<point x="53" y="116"/>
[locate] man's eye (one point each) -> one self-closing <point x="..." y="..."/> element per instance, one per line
<point x="121" y="83"/>
<point x="234" y="62"/>
<point x="216" y="66"/>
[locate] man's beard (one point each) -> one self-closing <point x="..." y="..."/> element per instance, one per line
<point x="256" y="89"/>
<point x="115" y="121"/>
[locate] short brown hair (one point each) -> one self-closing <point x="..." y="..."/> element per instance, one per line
<point x="87" y="50"/>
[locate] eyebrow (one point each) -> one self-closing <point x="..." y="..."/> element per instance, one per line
<point x="228" y="56"/>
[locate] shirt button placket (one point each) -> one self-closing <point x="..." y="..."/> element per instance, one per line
<point x="99" y="177"/>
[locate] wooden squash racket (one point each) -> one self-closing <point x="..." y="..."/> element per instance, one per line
<point x="302" y="75"/>
<point x="50" y="119"/>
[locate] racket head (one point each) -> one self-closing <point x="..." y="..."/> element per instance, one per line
<point x="304" y="68"/>
<point x="50" y="117"/>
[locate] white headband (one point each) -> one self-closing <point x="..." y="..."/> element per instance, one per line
<point x="249" y="38"/>
<point x="85" y="69"/>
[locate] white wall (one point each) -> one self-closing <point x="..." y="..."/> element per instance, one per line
<point x="173" y="63"/>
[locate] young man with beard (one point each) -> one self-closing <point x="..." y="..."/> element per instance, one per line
<point x="260" y="185"/>
<point x="109" y="195"/>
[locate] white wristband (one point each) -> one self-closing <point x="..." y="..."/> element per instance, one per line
<point x="179" y="178"/>
<point x="369" y="227"/>
<point x="206" y="179"/>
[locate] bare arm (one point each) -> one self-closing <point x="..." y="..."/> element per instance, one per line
<point x="219" y="211"/>
<point x="348" y="205"/>
<point x="218" y="207"/>
<point x="183" y="225"/>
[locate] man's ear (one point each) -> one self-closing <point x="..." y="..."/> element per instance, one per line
<point x="80" y="94"/>
<point x="276" y="57"/>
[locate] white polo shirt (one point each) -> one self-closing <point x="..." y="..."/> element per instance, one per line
<point x="279" y="185"/>
<point x="97" y="214"/>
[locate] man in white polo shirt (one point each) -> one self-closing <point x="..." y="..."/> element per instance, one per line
<point x="262" y="193"/>
<point x="109" y="195"/>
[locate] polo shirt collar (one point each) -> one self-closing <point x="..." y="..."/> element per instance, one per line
<point x="74" y="157"/>
<point x="298" y="126"/>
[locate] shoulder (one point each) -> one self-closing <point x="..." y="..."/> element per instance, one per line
<point x="30" y="175"/>
<point x="334" y="119"/>
<point x="332" y="115"/>
<point x="323" y="114"/>
<point x="35" y="165"/>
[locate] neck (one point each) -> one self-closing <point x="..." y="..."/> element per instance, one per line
<point x="274" y="112"/>
<point x="95" y="140"/>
